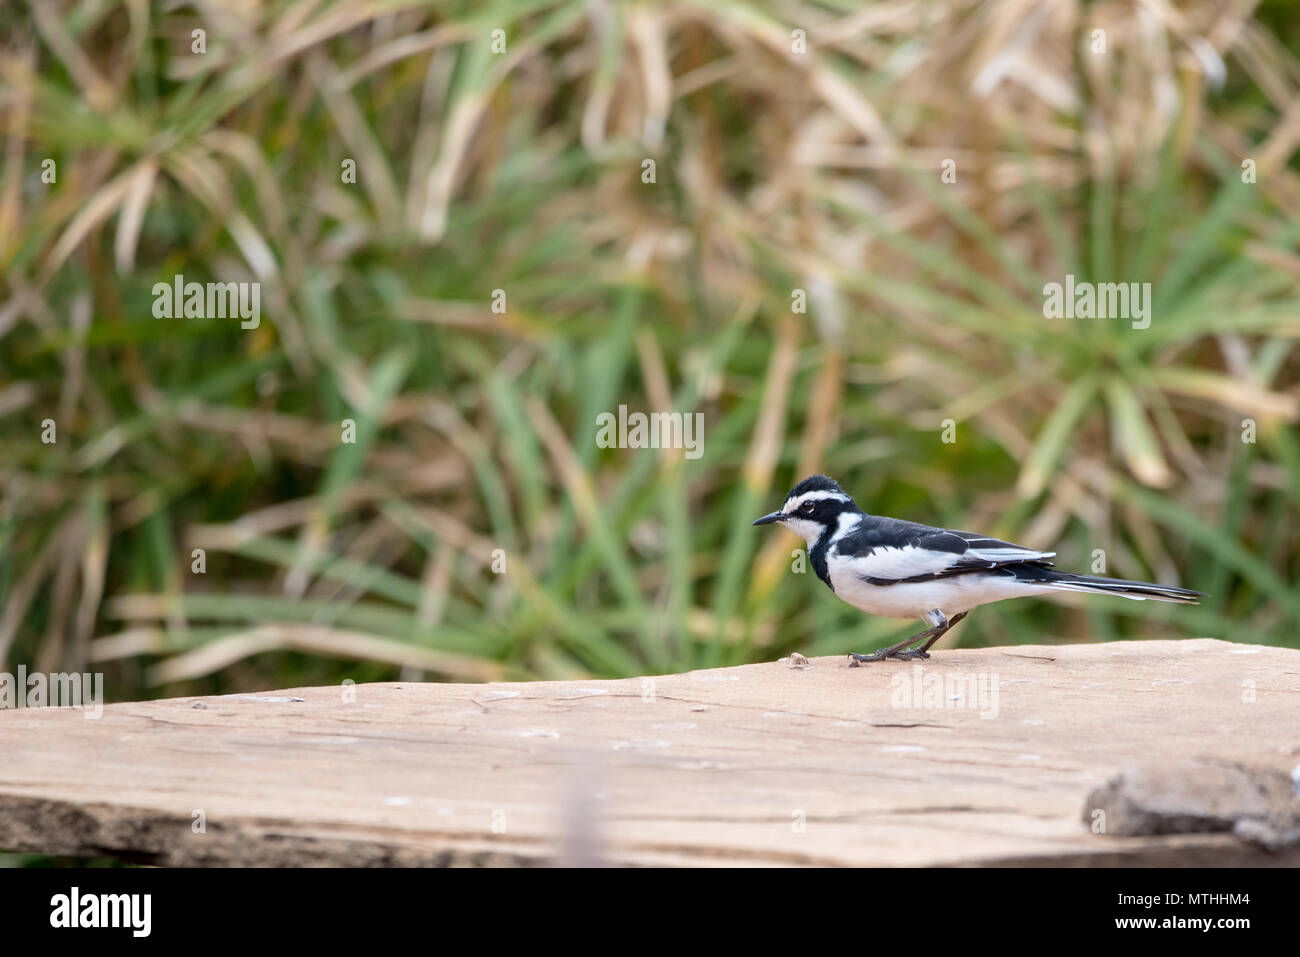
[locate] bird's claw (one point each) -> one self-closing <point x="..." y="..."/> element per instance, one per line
<point x="855" y="659"/>
<point x="902" y="655"/>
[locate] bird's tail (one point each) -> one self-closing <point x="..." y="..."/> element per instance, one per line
<point x="1138" y="591"/>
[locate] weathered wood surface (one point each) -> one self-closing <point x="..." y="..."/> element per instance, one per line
<point x="710" y="767"/>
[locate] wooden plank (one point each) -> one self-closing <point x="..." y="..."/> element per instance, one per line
<point x="715" y="767"/>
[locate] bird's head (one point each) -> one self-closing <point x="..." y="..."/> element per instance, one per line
<point x="812" y="507"/>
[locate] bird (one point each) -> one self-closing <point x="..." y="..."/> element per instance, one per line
<point x="900" y="569"/>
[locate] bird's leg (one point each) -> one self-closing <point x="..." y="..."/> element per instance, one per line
<point x="933" y="638"/>
<point x="929" y="637"/>
<point x="893" y="651"/>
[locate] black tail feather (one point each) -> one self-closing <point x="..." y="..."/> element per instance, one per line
<point x="1065" y="581"/>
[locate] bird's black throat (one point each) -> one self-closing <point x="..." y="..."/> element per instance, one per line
<point x="817" y="554"/>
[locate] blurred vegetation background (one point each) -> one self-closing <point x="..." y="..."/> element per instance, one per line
<point x="796" y="146"/>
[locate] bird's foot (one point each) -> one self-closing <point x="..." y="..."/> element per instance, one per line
<point x="897" y="654"/>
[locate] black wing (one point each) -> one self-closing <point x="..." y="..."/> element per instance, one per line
<point x="886" y="550"/>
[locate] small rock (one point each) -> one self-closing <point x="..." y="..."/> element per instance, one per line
<point x="1256" y="803"/>
<point x="796" y="661"/>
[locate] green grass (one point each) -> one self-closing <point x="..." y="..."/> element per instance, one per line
<point x="475" y="431"/>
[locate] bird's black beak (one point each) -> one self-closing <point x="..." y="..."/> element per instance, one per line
<point x="769" y="519"/>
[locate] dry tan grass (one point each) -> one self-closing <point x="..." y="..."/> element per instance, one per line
<point x="777" y="168"/>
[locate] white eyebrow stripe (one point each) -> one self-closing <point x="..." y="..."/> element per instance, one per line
<point x="815" y="497"/>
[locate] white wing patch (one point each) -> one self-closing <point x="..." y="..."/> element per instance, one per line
<point x="1003" y="555"/>
<point x="890" y="563"/>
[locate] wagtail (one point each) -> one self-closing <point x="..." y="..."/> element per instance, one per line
<point x="898" y="569"/>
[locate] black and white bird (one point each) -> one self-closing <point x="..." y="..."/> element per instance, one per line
<point x="898" y="569"/>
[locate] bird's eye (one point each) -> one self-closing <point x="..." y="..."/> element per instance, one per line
<point x="806" y="508"/>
